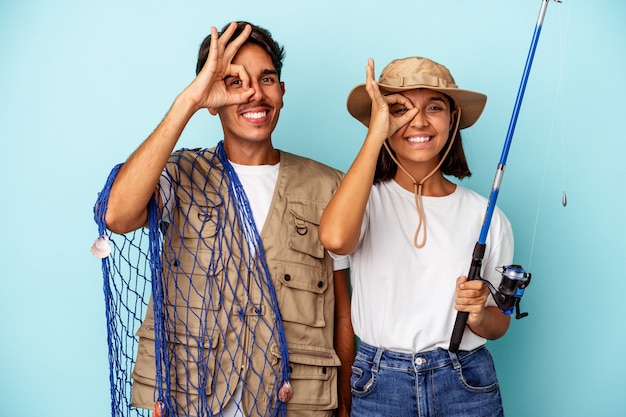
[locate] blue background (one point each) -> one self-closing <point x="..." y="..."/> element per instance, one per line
<point x="82" y="83"/>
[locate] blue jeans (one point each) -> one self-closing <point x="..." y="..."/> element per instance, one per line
<point x="428" y="384"/>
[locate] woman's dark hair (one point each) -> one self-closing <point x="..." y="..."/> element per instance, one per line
<point x="455" y="163"/>
<point x="259" y="36"/>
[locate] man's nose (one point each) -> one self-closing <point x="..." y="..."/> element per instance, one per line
<point x="259" y="94"/>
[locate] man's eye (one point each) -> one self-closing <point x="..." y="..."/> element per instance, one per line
<point x="267" y="80"/>
<point x="234" y="82"/>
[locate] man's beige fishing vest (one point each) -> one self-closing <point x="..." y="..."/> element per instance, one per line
<point x="302" y="275"/>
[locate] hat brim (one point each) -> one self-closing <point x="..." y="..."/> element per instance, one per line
<point x="471" y="103"/>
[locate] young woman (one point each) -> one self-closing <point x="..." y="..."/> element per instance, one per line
<point x="410" y="233"/>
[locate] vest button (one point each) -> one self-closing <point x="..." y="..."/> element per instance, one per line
<point x="320" y="284"/>
<point x="287" y="277"/>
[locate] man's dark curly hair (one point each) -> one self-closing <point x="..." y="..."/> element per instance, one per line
<point x="259" y="36"/>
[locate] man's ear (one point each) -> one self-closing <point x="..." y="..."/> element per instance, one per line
<point x="282" y="88"/>
<point x="213" y="110"/>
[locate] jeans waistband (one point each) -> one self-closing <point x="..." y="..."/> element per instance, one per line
<point x="420" y="361"/>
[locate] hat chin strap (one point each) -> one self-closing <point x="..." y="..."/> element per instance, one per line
<point x="417" y="186"/>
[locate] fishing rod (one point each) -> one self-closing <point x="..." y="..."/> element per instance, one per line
<point x="514" y="278"/>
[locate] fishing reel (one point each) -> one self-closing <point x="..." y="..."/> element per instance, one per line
<point x="511" y="289"/>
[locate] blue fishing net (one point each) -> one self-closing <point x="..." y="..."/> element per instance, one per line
<point x="192" y="315"/>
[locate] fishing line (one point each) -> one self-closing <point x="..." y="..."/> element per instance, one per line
<point x="557" y="108"/>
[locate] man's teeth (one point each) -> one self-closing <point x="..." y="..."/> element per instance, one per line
<point x="419" y="139"/>
<point x="255" y="115"/>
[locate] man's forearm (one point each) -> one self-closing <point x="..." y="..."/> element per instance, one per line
<point x="138" y="177"/>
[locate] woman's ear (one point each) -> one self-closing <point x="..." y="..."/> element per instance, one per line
<point x="455" y="115"/>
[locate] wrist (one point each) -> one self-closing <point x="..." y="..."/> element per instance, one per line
<point x="184" y="104"/>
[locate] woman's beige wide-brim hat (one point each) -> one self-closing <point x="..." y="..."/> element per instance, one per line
<point x="417" y="72"/>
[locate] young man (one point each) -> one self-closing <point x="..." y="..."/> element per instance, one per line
<point x="254" y="314"/>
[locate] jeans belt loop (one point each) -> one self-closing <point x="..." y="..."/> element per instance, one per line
<point x="455" y="360"/>
<point x="377" y="358"/>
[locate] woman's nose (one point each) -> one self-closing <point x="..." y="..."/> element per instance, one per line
<point x="419" y="119"/>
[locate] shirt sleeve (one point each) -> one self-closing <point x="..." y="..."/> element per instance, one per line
<point x="339" y="261"/>
<point x="500" y="253"/>
<point x="166" y="192"/>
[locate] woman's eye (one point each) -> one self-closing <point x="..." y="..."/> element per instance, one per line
<point x="399" y="110"/>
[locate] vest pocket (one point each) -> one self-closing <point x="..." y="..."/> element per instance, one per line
<point x="192" y="364"/>
<point x="198" y="220"/>
<point x="304" y="223"/>
<point x="313" y="378"/>
<point x="194" y="279"/>
<point x="300" y="290"/>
